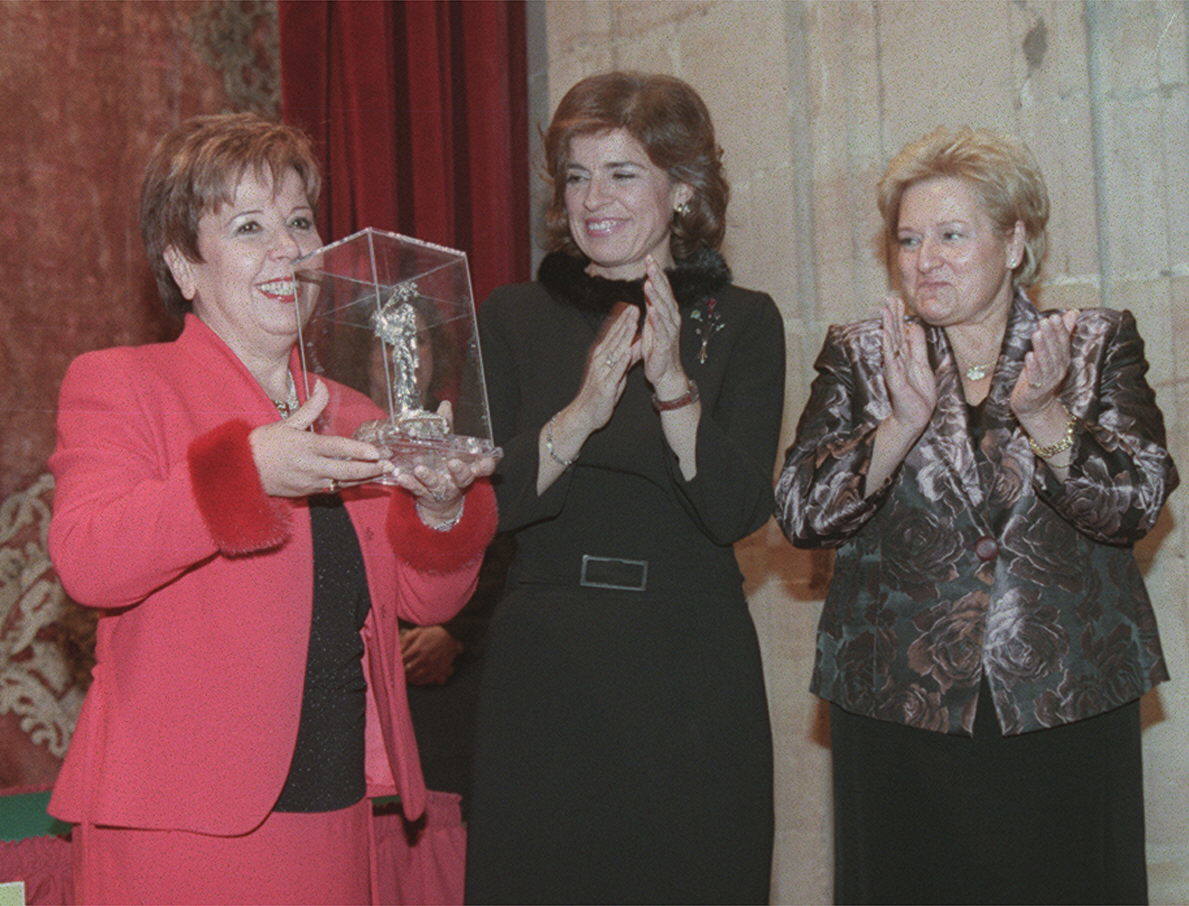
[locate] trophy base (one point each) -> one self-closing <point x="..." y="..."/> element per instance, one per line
<point x="406" y="449"/>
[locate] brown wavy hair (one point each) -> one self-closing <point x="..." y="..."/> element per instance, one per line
<point x="196" y="166"/>
<point x="999" y="168"/>
<point x="670" y="120"/>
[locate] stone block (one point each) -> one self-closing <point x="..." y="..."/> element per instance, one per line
<point x="639" y="17"/>
<point x="1053" y="117"/>
<point x="573" y="28"/>
<point x="750" y="106"/>
<point x="944" y="63"/>
<point x="649" y="50"/>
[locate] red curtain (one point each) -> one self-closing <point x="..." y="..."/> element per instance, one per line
<point x="420" y="113"/>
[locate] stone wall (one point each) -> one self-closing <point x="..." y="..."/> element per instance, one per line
<point x="810" y="100"/>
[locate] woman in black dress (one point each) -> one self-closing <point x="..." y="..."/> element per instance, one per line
<point x="624" y="751"/>
<point x="983" y="469"/>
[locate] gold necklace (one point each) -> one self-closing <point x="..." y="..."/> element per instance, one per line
<point x="290" y="404"/>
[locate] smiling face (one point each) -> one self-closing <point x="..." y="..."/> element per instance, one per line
<point x="954" y="264"/>
<point x="619" y="204"/>
<point x="243" y="288"/>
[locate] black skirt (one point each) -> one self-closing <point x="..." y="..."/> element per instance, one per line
<point x="1053" y="816"/>
<point x="624" y="753"/>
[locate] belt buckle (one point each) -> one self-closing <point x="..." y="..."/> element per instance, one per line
<point x="593" y="566"/>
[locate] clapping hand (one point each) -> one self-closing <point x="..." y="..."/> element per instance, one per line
<point x="1045" y="365"/>
<point x="606" y="372"/>
<point x="661" y="336"/>
<point x="911" y="385"/>
<point x="912" y="392"/>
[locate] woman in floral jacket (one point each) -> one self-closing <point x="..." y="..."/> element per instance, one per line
<point x="983" y="469"/>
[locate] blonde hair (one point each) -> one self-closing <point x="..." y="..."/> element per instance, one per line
<point x="670" y="120"/>
<point x="1001" y="171"/>
<point x="196" y="166"/>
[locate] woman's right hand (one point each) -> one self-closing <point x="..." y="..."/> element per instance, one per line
<point x="295" y="462"/>
<point x="607" y="366"/>
<point x="912" y="393"/>
<point x="911" y="385"/>
<point x="606" y="375"/>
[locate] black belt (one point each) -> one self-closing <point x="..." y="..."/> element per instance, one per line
<point x="613" y="573"/>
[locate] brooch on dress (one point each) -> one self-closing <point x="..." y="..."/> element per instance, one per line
<point x="709" y="324"/>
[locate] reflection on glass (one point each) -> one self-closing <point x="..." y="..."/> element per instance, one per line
<point x="393" y="319"/>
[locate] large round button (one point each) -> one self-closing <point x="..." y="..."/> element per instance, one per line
<point x="986" y="549"/>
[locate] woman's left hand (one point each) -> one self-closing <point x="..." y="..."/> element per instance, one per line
<point x="1045" y="365"/>
<point x="439" y="490"/>
<point x="661" y="336"/>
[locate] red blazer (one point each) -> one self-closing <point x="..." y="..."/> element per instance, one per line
<point x="207" y="586"/>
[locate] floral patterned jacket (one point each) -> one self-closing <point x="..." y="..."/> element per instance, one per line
<point x="945" y="573"/>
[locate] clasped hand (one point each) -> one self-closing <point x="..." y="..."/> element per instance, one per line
<point x="429" y="653"/>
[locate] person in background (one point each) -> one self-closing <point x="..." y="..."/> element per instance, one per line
<point x="443" y="666"/>
<point x="248" y="693"/>
<point x="624" y="753"/>
<point x="983" y="469"/>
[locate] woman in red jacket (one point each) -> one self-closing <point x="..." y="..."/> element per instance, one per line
<point x="248" y="694"/>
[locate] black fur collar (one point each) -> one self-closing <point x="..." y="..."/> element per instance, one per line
<point x="693" y="279"/>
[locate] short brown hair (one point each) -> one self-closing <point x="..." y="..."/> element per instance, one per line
<point x="668" y="118"/>
<point x="999" y="168"/>
<point x="196" y="166"/>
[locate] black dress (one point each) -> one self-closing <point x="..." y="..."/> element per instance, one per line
<point x="624" y="751"/>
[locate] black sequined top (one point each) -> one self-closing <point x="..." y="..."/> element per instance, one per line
<point x="327" y="769"/>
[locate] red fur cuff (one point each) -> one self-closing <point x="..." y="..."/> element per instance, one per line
<point x="431" y="551"/>
<point x="240" y="516"/>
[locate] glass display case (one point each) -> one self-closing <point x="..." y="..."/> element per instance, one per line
<point x="393" y="318"/>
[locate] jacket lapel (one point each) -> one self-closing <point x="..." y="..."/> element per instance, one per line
<point x="948" y="434"/>
<point x="1017" y="340"/>
<point x="949" y="430"/>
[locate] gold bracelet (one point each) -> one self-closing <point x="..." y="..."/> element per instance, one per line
<point x="553" y="454"/>
<point x="1048" y="452"/>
